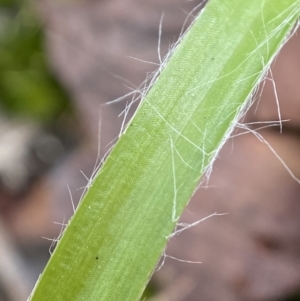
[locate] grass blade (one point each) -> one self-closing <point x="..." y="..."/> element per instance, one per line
<point x="120" y="229"/>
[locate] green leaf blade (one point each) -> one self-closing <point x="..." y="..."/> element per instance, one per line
<point x="114" y="241"/>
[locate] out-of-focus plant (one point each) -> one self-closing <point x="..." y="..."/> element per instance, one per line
<point x="27" y="86"/>
<point x="41" y="128"/>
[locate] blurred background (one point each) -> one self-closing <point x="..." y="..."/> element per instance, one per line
<point x="59" y="61"/>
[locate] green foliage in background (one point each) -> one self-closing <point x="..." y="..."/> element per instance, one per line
<point x="112" y="244"/>
<point x="27" y="86"/>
